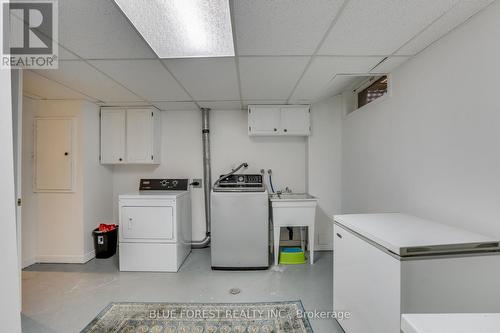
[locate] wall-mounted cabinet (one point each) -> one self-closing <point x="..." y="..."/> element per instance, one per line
<point x="130" y="135"/>
<point x="292" y="120"/>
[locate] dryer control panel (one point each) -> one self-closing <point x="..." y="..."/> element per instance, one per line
<point x="166" y="184"/>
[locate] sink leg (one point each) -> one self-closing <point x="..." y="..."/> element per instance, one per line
<point x="310" y="231"/>
<point x="276" y="244"/>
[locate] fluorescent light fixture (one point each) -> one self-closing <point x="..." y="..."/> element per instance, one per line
<point x="182" y="28"/>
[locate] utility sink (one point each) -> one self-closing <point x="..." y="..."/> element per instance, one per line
<point x="293" y="210"/>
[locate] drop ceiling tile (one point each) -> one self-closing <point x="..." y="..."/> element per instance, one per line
<point x="96" y="29"/>
<point x="368" y="27"/>
<point x="147" y="78"/>
<point x="282" y="27"/>
<point x="89" y="81"/>
<point x="220" y="105"/>
<point x="270" y="77"/>
<point x="206" y="78"/>
<point x="176" y="106"/>
<point x="388" y="65"/>
<point x="246" y="103"/>
<point x="65" y="54"/>
<point x="42" y="87"/>
<point x="339" y="84"/>
<point x="323" y="69"/>
<point x="459" y="14"/>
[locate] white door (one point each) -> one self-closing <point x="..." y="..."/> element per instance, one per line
<point x="112" y="136"/>
<point x="264" y="121"/>
<point x="139" y="136"/>
<point x="147" y="222"/>
<point x="54" y="154"/>
<point x="295" y="121"/>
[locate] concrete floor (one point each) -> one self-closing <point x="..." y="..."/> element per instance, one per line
<point x="66" y="297"/>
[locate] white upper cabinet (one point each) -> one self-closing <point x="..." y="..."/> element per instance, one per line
<point x="279" y="120"/>
<point x="113" y="123"/>
<point x="130" y="135"/>
<point x="264" y="121"/>
<point x="139" y="136"/>
<point x="295" y="121"/>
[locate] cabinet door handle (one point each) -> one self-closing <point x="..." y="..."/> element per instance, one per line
<point x="339" y="235"/>
<point x="120" y="159"/>
<point x="285" y="130"/>
<point x="66" y="153"/>
<point x="275" y="129"/>
<point x="129" y="223"/>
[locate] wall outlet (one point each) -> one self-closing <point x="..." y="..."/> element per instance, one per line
<point x="197" y="180"/>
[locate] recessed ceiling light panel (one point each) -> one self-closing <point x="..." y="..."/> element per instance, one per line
<point x="182" y="28"/>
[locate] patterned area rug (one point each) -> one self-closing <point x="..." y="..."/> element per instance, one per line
<point x="275" y="317"/>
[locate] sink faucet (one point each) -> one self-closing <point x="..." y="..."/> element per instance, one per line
<point x="279" y="193"/>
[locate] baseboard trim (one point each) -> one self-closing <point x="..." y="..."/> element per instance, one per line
<point x="66" y="259"/>
<point x="28" y="262"/>
<point x="89" y="256"/>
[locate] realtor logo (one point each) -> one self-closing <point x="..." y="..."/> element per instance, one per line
<point x="29" y="34"/>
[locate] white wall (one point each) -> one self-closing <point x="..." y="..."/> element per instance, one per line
<point x="97" y="179"/>
<point x="57" y="226"/>
<point x="324" y="166"/>
<point x="230" y="145"/>
<point x="98" y="187"/>
<point x="10" y="307"/>
<point x="432" y="148"/>
<point x="181" y="157"/>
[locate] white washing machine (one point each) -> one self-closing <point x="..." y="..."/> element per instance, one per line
<point x="155" y="226"/>
<point x="240" y="223"/>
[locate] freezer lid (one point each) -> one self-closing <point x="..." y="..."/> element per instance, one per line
<point x="406" y="235"/>
<point x="450" y="322"/>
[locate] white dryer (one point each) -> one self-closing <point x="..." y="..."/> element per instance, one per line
<point x="155" y="226"/>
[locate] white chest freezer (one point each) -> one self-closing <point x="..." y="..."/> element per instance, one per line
<point x="389" y="264"/>
<point x="451" y="322"/>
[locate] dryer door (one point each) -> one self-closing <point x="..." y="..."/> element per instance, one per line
<point x="147" y="223"/>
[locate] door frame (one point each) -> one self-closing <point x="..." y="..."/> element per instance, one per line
<point x="17" y="119"/>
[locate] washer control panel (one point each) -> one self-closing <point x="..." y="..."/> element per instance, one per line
<point x="165" y="184"/>
<point x="242" y="180"/>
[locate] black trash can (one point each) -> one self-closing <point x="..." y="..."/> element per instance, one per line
<point x="105" y="243"/>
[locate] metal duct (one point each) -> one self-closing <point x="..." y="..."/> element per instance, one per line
<point x="207" y="176"/>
